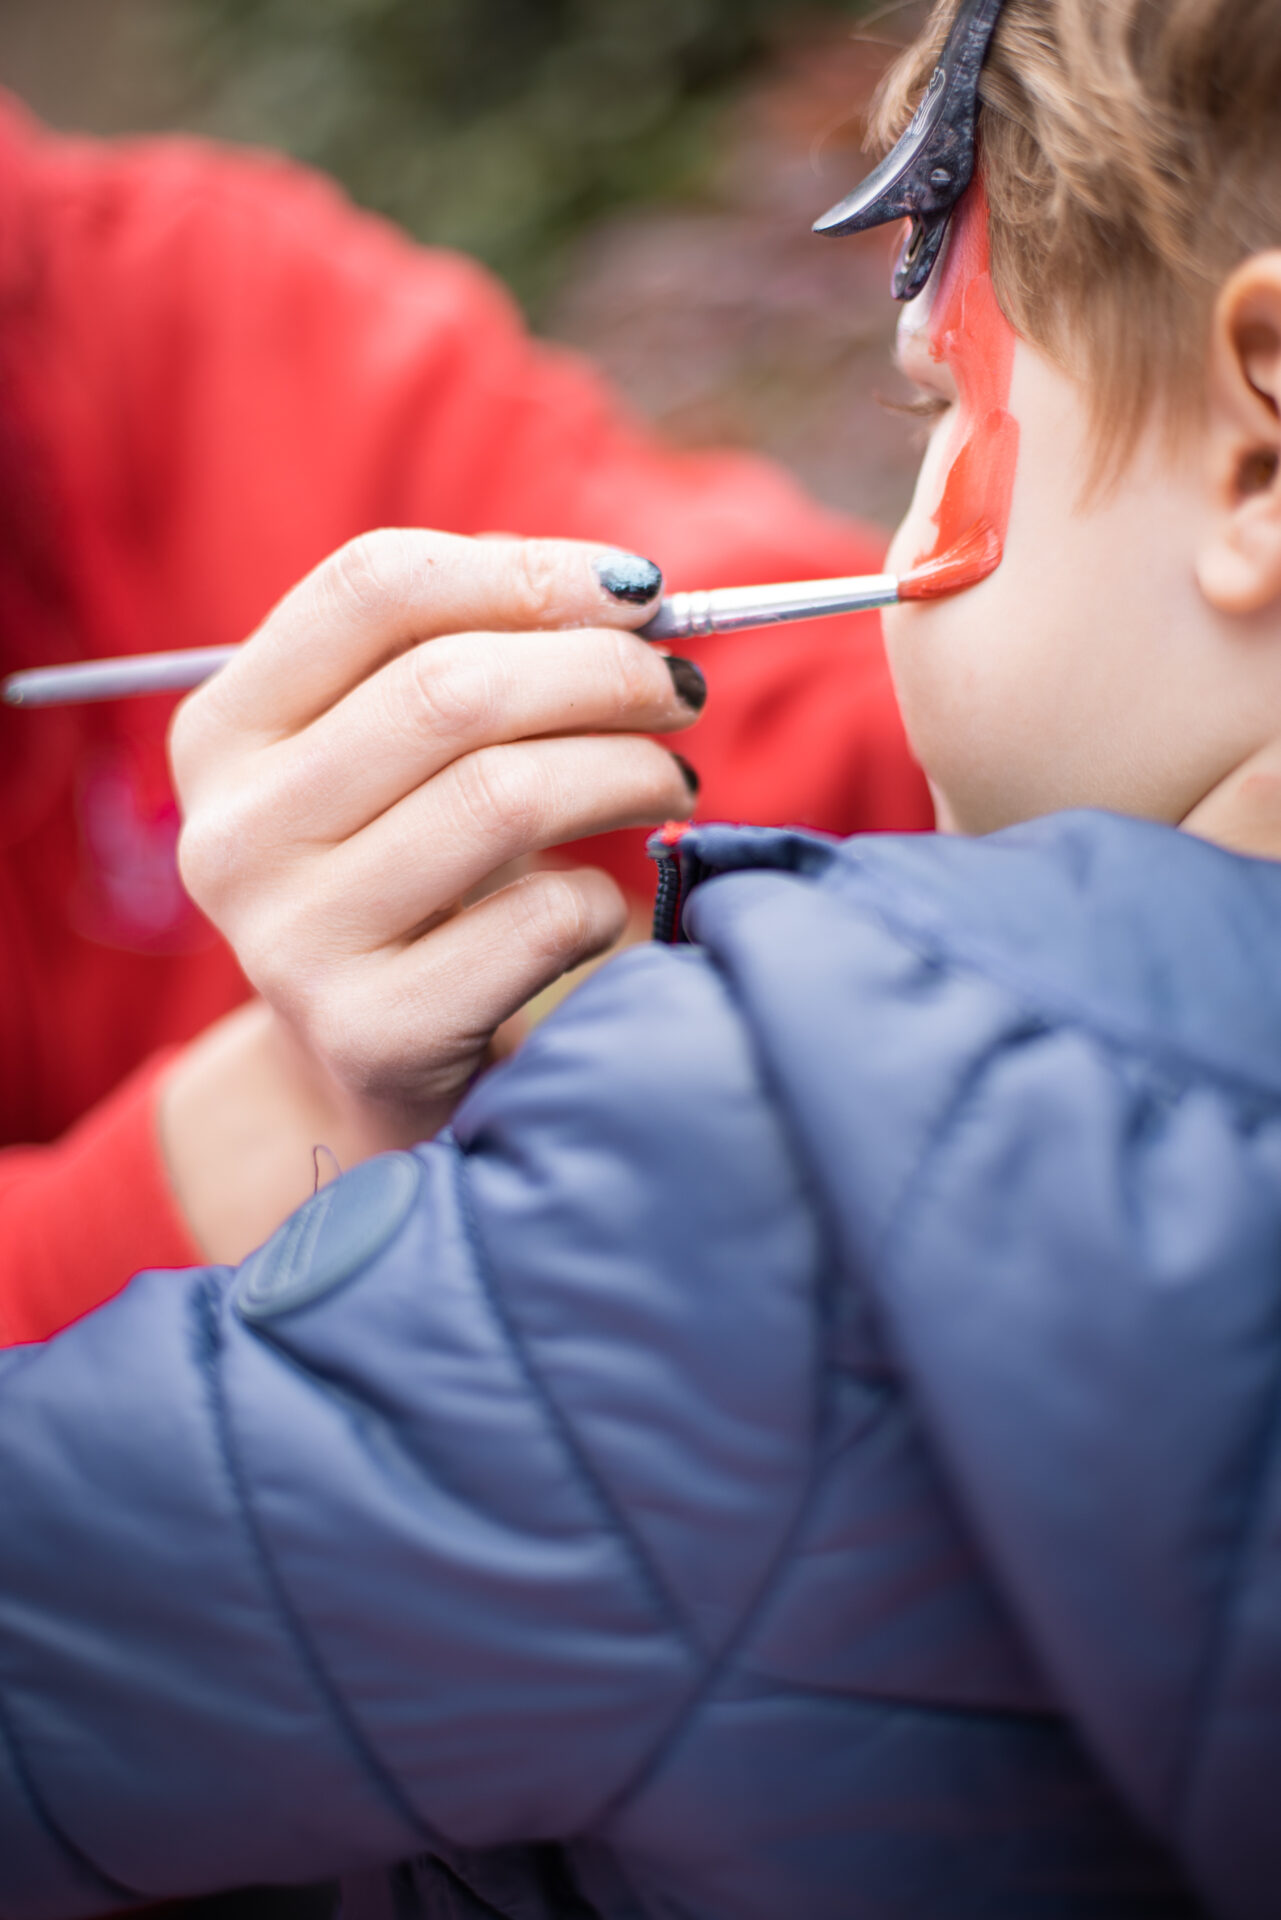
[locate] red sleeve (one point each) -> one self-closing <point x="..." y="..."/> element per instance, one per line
<point x="262" y="372"/>
<point x="232" y="372"/>
<point x="78" y="1218"/>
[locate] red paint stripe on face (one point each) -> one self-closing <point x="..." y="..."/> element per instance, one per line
<point x="963" y="564"/>
<point x="972" y="337"/>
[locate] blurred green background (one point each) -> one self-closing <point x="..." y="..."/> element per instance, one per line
<point x="502" y="126"/>
<point x="642" y="172"/>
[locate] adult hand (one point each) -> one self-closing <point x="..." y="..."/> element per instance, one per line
<point x="419" y="713"/>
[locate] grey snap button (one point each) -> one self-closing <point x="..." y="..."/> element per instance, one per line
<point x="331" y="1239"/>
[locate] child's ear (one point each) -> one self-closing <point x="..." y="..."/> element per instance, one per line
<point x="1238" y="564"/>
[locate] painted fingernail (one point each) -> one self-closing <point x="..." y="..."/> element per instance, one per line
<point x="691" y="688"/>
<point x="688" y="775"/>
<point x="629" y="578"/>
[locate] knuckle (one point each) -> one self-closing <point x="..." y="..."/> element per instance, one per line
<point x="209" y="857"/>
<point x="501" y="795"/>
<point x="372" y="573"/>
<point x="180" y="745"/>
<point x="449" y="693"/>
<point x="197" y="742"/>
<point x="538" y="584"/>
<point x="253" y="895"/>
<point x="554" y="917"/>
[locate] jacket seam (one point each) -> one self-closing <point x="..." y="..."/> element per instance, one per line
<point x="869" y="894"/>
<point x="1003" y="1715"/>
<point x="484" y="1909"/>
<point x="826" y="1264"/>
<point x="1179" y="1792"/>
<point x="559" y="1421"/>
<point x="663" y="1748"/>
<point x="831" y="1262"/>
<point x="1222" y="1636"/>
<point x="305" y="1653"/>
<point x="45" y="1819"/>
<point x="953" y="1113"/>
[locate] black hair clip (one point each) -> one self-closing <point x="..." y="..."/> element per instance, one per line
<point x="927" y="172"/>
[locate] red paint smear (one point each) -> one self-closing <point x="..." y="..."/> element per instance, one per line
<point x="968" y="331"/>
<point x="974" y="556"/>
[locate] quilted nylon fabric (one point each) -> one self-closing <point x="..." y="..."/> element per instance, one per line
<point x="806" y="1444"/>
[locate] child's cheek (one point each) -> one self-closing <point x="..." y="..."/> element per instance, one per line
<point x="916" y="530"/>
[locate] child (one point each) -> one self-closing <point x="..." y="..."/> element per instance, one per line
<point x="804" y="1443"/>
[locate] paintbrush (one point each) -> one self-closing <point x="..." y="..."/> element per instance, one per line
<point x="682" y="616"/>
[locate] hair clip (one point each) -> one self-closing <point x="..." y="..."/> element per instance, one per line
<point x="924" y="176"/>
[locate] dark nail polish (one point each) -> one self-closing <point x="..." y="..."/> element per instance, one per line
<point x="629" y="578"/>
<point x="691" y="688"/>
<point x="688" y="774"/>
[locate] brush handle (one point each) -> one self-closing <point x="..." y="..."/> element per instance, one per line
<point x="136" y="674"/>
<point x="683" y="616"/>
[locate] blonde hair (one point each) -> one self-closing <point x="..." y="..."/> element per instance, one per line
<point x="1131" y="155"/>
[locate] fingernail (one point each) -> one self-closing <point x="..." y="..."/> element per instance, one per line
<point x="629" y="578"/>
<point x="688" y="774"/>
<point x="691" y="688"/>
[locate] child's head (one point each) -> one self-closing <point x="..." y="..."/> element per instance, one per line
<point x="1127" y="653"/>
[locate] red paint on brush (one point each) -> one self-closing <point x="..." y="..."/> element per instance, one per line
<point x="972" y="337"/>
<point x="975" y="555"/>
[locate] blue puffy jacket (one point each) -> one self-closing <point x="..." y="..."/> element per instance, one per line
<point x="805" y="1447"/>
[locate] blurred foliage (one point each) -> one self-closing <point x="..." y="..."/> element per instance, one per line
<point x="501" y="126"/>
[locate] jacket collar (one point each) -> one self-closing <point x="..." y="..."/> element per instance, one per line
<point x="1144" y="933"/>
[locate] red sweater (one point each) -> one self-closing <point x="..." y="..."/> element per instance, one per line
<point x="212" y="372"/>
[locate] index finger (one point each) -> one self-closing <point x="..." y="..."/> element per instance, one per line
<point x="391" y="590"/>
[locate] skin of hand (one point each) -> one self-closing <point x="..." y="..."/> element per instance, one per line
<point x="420" y="713"/>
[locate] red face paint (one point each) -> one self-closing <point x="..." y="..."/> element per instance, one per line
<point x="968" y="332"/>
